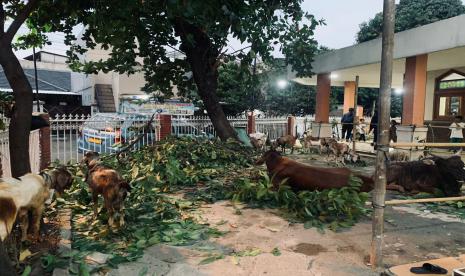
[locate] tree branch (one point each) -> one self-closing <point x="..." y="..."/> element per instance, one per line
<point x="19" y="20"/>
<point x="176" y="50"/>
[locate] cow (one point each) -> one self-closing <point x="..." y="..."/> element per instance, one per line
<point x="305" y="177"/>
<point x="443" y="173"/>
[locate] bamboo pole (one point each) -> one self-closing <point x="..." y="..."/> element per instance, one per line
<point x="384" y="109"/>
<point x="421" y="200"/>
<point x="437" y="145"/>
<point x="424" y="200"/>
<point x="355" y="120"/>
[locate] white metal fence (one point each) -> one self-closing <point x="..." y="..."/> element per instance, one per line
<point x="275" y="127"/>
<point x="34" y="152"/>
<point x="73" y="135"/>
<point x="200" y="125"/>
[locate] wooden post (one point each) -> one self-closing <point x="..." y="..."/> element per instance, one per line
<point x="384" y="109"/>
<point x="356" y="121"/>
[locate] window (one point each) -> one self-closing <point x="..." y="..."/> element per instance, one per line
<point x="449" y="96"/>
<point x="450" y="106"/>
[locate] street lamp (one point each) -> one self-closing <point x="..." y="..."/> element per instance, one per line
<point x="398" y="91"/>
<point x="281" y="84"/>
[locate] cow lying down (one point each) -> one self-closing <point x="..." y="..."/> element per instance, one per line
<point x="427" y="175"/>
<point x="304" y="177"/>
<point x="28" y="193"/>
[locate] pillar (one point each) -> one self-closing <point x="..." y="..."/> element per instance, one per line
<point x="251" y="124"/>
<point x="44" y="143"/>
<point x="349" y="93"/>
<point x="413" y="111"/>
<point x="165" y="126"/>
<point x="291" y="125"/>
<point x="323" y="90"/>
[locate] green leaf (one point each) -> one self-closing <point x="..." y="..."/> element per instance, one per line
<point x="27" y="271"/>
<point x="276" y="252"/>
<point x="211" y="259"/>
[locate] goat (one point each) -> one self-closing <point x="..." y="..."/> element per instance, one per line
<point x="324" y="144"/>
<point x="427" y="175"/>
<point x="283" y="141"/>
<point x="398" y="156"/>
<point x="304" y="177"/>
<point x="258" y="140"/>
<point x="28" y="193"/>
<point x="341" y="151"/>
<point x="107" y="182"/>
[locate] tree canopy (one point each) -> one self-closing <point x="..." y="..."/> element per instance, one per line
<point x="141" y="34"/>
<point x="411" y="14"/>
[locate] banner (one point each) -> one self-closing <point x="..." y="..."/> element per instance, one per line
<point x="166" y="108"/>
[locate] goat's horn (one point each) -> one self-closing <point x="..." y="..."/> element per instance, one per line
<point x="459" y="152"/>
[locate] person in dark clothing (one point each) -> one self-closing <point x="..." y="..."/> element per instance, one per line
<point x="393" y="131"/>
<point x="374" y="127"/>
<point x="347" y="122"/>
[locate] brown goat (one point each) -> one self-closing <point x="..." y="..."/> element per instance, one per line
<point x="283" y="141"/>
<point x="304" y="177"/>
<point x="107" y="182"/>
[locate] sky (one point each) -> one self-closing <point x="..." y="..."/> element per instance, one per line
<point x="342" y="19"/>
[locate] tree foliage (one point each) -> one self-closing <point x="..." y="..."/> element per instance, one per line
<point x="411" y="14"/>
<point x="141" y="34"/>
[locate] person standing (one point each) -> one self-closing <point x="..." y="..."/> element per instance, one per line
<point x="347" y="122"/>
<point x="362" y="130"/>
<point x="456" y="131"/>
<point x="393" y="131"/>
<point x="374" y="127"/>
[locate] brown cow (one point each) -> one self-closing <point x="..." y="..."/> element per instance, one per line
<point x="107" y="182"/>
<point x="304" y="177"/>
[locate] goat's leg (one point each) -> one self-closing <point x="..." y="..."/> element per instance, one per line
<point x="111" y="211"/>
<point x="121" y="216"/>
<point x="36" y="219"/>
<point x="24" y="223"/>
<point x="95" y="203"/>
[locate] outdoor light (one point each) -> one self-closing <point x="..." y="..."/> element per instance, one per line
<point x="398" y="91"/>
<point x="334" y="76"/>
<point x="282" y="83"/>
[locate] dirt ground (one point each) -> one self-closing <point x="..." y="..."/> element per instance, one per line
<point x="410" y="235"/>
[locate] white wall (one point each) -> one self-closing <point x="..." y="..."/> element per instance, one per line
<point x="83" y="84"/>
<point x="50" y="58"/>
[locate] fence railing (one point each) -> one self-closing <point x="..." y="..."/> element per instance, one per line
<point x="200" y="125"/>
<point x="34" y="152"/>
<point x="74" y="135"/>
<point x="275" y="127"/>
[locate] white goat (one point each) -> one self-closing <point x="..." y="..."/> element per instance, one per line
<point x="17" y="197"/>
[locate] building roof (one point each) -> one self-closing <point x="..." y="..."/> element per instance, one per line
<point x="39" y="53"/>
<point x="443" y="41"/>
<point x="57" y="81"/>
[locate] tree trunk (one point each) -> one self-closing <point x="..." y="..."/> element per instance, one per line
<point x="20" y="123"/>
<point x="207" y="83"/>
<point x="202" y="57"/>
